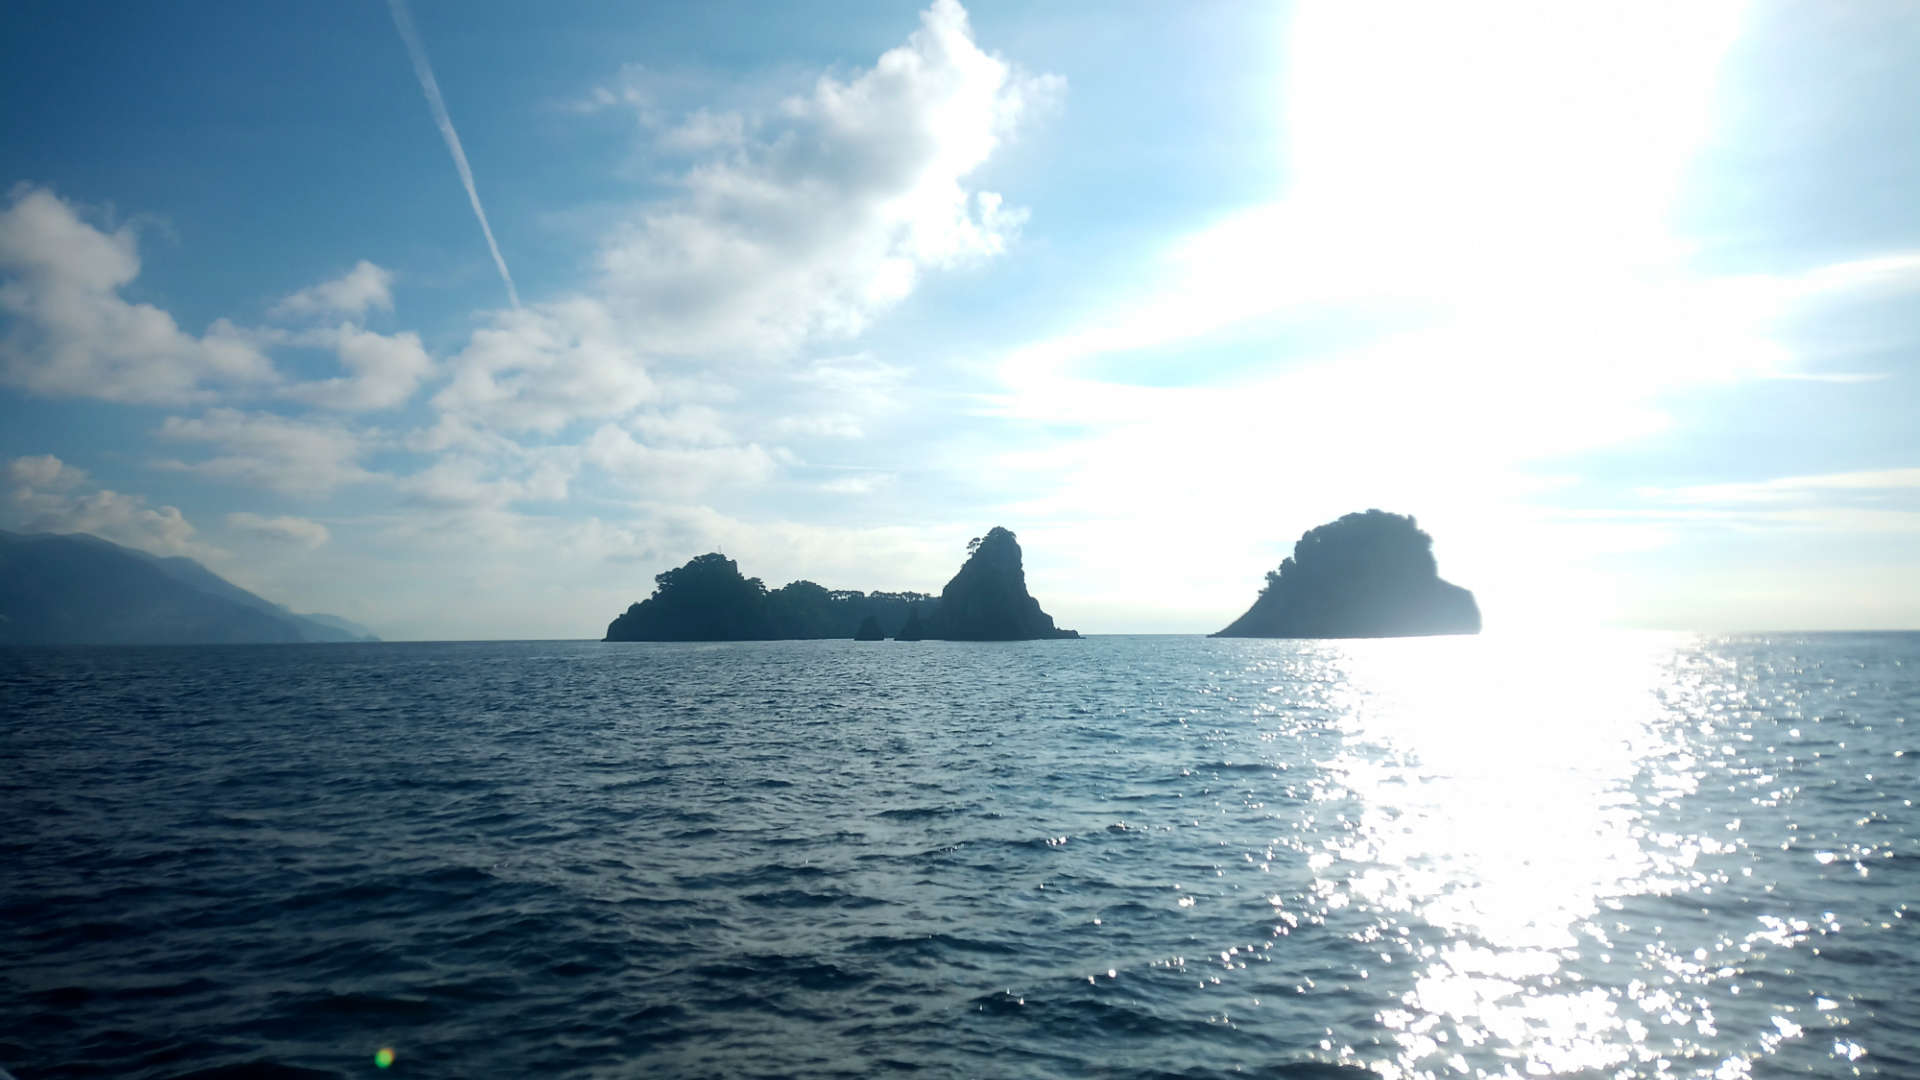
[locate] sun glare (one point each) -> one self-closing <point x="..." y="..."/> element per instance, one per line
<point x="1505" y="127"/>
<point x="1502" y="783"/>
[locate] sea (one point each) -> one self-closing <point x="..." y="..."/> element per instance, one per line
<point x="1544" y="855"/>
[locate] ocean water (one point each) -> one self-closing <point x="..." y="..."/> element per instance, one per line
<point x="1610" y="856"/>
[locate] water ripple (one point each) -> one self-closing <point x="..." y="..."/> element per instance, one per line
<point x="1138" y="857"/>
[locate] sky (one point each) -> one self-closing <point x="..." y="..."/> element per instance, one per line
<point x="464" y="319"/>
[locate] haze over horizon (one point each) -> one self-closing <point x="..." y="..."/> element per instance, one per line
<point x="464" y="320"/>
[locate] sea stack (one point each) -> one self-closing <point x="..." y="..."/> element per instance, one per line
<point x="869" y="630"/>
<point x="988" y="600"/>
<point x="1364" y="576"/>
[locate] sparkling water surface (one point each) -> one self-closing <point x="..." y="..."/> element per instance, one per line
<point x="1603" y="856"/>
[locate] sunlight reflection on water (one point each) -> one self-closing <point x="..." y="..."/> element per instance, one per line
<point x="1617" y="856"/>
<point x="1503" y="787"/>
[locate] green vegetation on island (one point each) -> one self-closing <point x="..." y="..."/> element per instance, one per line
<point x="708" y="599"/>
<point x="1363" y="576"/>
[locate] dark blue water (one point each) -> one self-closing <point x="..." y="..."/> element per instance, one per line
<point x="1609" y="856"/>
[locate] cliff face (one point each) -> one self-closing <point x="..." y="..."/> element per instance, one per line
<point x="988" y="600"/>
<point x="1365" y="575"/>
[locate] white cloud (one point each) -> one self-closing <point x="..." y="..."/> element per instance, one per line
<point x="354" y="293"/>
<point x="283" y="530"/>
<point x="859" y="483"/>
<point x="688" y="425"/>
<point x="295" y="456"/>
<point x="466" y="482"/>
<point x="386" y="369"/>
<point x="705" y="130"/>
<point x="124" y="519"/>
<point x="829" y="212"/>
<point x="1892" y="273"/>
<point x="477" y="471"/>
<point x="42" y="500"/>
<point x="450" y="432"/>
<point x="674" y="472"/>
<point x="796" y="222"/>
<point x="74" y="335"/>
<point x="825" y="425"/>
<point x="46" y="472"/>
<point x="542" y="367"/>
<point x="1861" y="489"/>
<point x="627" y="91"/>
<point x="803" y="222"/>
<point x="836" y="398"/>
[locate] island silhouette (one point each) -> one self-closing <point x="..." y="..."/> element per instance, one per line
<point x="708" y="599"/>
<point x="988" y="599"/>
<point x="1366" y="575"/>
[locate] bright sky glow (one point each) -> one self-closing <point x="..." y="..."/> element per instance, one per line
<point x="1618" y="300"/>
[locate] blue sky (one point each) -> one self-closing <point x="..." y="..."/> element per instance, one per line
<point x="1618" y="301"/>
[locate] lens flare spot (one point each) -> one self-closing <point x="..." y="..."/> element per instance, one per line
<point x="383" y="1057"/>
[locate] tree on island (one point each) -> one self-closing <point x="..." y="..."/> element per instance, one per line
<point x="708" y="599"/>
<point x="1365" y="575"/>
<point x="802" y="609"/>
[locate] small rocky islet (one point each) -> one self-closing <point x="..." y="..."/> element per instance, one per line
<point x="1368" y="574"/>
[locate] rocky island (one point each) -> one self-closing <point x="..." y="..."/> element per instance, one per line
<point x="988" y="599"/>
<point x="708" y="599"/>
<point x="1364" y="576"/>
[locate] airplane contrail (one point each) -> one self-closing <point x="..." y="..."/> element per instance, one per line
<point x="403" y="21"/>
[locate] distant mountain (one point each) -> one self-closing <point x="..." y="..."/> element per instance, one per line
<point x="1363" y="576"/>
<point x="81" y="590"/>
<point x="354" y="631"/>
